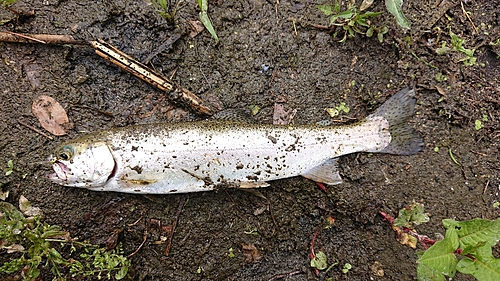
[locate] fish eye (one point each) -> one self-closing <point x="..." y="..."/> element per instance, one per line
<point x="65" y="153"/>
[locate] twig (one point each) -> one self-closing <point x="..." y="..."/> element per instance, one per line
<point x="312" y="255"/>
<point x="35" y="129"/>
<point x="129" y="64"/>
<point x="145" y="237"/>
<point x="168" y="243"/>
<point x="486" y="186"/>
<point x="467" y="15"/>
<point x="283" y="275"/>
<point x="39" y="38"/>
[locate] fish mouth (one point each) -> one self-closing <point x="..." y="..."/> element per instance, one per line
<point x="60" y="172"/>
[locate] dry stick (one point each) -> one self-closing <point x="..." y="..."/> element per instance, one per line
<point x="280" y="276"/>
<point x="35" y="129"/>
<point x="122" y="60"/>
<point x="39" y="38"/>
<point x="467" y="15"/>
<point x="174" y="225"/>
<point x="141" y="71"/>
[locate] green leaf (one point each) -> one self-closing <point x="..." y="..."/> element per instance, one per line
<point x="11" y="212"/>
<point x="203" y="4"/>
<point x="475" y="232"/>
<point x="347" y="14"/>
<point x="483" y="267"/>
<point x="394" y="7"/>
<point x="336" y="7"/>
<point x="319" y="261"/>
<point x="326" y="9"/>
<point x="425" y="273"/>
<point x="121" y="273"/>
<point x="369" y="32"/>
<point x="440" y="257"/>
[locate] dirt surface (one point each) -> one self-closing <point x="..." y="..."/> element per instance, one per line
<point x="267" y="52"/>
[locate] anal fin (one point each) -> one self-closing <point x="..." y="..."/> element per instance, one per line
<point x="253" y="184"/>
<point x="326" y="173"/>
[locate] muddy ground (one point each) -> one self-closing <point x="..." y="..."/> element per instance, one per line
<point x="267" y="52"/>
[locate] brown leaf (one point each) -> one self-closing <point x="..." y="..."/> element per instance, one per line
<point x="250" y="252"/>
<point x="51" y="115"/>
<point x="282" y="116"/>
<point x="196" y="27"/>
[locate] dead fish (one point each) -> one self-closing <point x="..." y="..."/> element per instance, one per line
<point x="205" y="155"/>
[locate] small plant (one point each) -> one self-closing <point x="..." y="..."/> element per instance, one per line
<point x="471" y="241"/>
<point x="457" y="45"/>
<point x="338" y="109"/>
<point x="6" y="3"/>
<point x="466" y="247"/>
<point x="203" y="4"/>
<point x="166" y="9"/>
<point x="352" y="21"/>
<point x="34" y="239"/>
<point x="320" y="262"/>
<point x="10" y="168"/>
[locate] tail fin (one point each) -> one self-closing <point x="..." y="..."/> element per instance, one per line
<point x="397" y="110"/>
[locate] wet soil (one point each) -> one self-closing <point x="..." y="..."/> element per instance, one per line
<point x="268" y="52"/>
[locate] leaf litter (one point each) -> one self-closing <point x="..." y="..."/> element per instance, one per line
<point x="51" y="115"/>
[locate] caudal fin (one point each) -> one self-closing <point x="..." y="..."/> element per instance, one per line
<point x="397" y="110"/>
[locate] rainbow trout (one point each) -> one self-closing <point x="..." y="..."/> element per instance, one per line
<point x="204" y="155"/>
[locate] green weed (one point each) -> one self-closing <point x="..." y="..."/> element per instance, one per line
<point x="203" y="4"/>
<point x="466" y="248"/>
<point x="35" y="240"/>
<point x="457" y="45"/>
<point x="7" y="2"/>
<point x="166" y="10"/>
<point x="352" y="20"/>
<point x="10" y="168"/>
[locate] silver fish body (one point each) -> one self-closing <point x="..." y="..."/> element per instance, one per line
<point x="198" y="156"/>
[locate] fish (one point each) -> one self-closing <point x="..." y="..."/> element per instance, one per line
<point x="184" y="157"/>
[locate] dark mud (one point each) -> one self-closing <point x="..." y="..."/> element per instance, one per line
<point x="260" y="59"/>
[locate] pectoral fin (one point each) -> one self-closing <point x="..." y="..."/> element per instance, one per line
<point x="326" y="173"/>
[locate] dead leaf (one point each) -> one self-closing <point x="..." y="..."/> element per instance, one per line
<point x="250" y="252"/>
<point x="196" y="27"/>
<point x="404" y="238"/>
<point x="377" y="269"/>
<point x="14" y="248"/>
<point x="365" y="5"/>
<point x="51" y="115"/>
<point x="282" y="116"/>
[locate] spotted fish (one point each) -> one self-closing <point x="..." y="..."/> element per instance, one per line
<point x="197" y="156"/>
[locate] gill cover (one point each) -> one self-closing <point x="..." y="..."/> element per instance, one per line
<point x="82" y="164"/>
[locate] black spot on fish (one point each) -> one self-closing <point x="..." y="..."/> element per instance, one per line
<point x="239" y="167"/>
<point x="174" y="156"/>
<point x="267" y="158"/>
<point x="254" y="178"/>
<point x="290" y="147"/>
<point x="272" y="139"/>
<point x="137" y="169"/>
<point x="197" y="167"/>
<point x="257" y="173"/>
<point x="173" y="190"/>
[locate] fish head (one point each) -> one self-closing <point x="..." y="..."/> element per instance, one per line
<point x="81" y="164"/>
